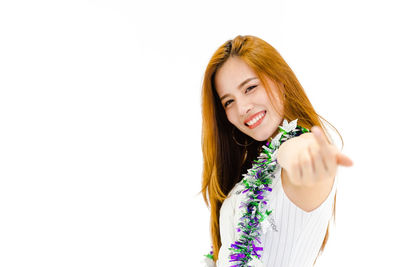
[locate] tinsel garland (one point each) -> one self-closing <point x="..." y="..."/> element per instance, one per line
<point x="256" y="185"/>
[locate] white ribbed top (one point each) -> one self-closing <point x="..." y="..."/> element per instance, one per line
<point x="299" y="234"/>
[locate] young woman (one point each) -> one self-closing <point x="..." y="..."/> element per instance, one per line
<point x="269" y="167"/>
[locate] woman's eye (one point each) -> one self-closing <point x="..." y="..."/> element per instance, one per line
<point x="250" y="88"/>
<point x="227" y="103"/>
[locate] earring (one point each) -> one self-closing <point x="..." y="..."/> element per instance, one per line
<point x="234" y="139"/>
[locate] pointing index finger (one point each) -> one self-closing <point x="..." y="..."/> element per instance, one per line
<point x="320" y="136"/>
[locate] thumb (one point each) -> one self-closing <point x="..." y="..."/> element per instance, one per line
<point x="344" y="160"/>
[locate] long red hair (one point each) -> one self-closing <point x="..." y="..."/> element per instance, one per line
<point x="223" y="160"/>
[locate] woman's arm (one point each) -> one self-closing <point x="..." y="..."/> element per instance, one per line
<point x="309" y="164"/>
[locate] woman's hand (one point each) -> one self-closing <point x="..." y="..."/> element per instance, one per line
<point x="309" y="159"/>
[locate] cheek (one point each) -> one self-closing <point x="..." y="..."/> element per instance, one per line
<point x="271" y="106"/>
<point x="231" y="117"/>
<point x="263" y="96"/>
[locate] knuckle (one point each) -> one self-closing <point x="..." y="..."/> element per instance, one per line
<point x="306" y="135"/>
<point x="297" y="181"/>
<point x="294" y="166"/>
<point x="330" y="156"/>
<point x="314" y="153"/>
<point x="332" y="148"/>
<point x="307" y="162"/>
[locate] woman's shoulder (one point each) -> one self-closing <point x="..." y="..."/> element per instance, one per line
<point x="237" y="188"/>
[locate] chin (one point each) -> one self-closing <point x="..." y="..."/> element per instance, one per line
<point x="260" y="138"/>
<point x="262" y="135"/>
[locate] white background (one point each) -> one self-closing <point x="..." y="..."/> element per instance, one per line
<point x="100" y="123"/>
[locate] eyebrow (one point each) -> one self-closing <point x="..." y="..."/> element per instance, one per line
<point x="240" y="86"/>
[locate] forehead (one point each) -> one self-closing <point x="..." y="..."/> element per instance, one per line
<point x="231" y="74"/>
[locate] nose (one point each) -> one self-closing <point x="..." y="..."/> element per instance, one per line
<point x="244" y="108"/>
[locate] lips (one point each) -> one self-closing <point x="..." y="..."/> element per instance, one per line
<point x="253" y="116"/>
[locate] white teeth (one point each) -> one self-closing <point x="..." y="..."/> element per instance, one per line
<point x="255" y="119"/>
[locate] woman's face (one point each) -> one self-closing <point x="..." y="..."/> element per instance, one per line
<point x="245" y="100"/>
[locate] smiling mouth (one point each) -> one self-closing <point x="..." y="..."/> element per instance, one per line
<point x="256" y="121"/>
